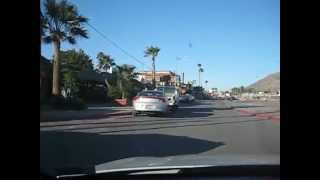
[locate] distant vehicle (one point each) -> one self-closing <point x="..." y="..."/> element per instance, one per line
<point x="198" y="92"/>
<point x="232" y="98"/>
<point x="171" y="93"/>
<point x="186" y="98"/>
<point x="150" y="102"/>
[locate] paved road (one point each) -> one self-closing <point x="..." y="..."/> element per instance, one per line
<point x="204" y="128"/>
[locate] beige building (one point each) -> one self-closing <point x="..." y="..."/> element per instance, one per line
<point x="161" y="77"/>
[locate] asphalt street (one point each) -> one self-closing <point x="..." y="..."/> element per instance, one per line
<point x="202" y="128"/>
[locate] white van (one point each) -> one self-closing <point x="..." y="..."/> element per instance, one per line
<point x="172" y="94"/>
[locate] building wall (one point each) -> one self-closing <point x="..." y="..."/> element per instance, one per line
<point x="147" y="76"/>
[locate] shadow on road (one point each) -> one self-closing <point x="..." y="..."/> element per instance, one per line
<point x="60" y="149"/>
<point x="107" y="124"/>
<point x="178" y="126"/>
<point x="192" y="113"/>
<point x="57" y="116"/>
<point x="223" y="108"/>
<point x="246" y="106"/>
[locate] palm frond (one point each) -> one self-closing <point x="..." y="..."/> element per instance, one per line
<point x="151" y="51"/>
<point x="78" y="31"/>
<point x="71" y="40"/>
<point x="82" y="19"/>
<point x="62" y="20"/>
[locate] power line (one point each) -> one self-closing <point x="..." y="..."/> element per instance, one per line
<point x="117" y="46"/>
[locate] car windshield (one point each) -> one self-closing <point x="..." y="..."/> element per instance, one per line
<point x="169" y="91"/>
<point x="214" y="64"/>
<point x="151" y="93"/>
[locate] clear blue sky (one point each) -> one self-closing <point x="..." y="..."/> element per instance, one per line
<point x="236" y="41"/>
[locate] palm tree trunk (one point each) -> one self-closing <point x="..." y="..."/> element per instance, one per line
<point x="121" y="89"/>
<point x="153" y="73"/>
<point x="56" y="69"/>
<point x="107" y="83"/>
<point x="123" y="95"/>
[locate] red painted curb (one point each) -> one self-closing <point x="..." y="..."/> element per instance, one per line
<point x="275" y="118"/>
<point x="260" y="115"/>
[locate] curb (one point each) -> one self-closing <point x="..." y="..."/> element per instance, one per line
<point x="106" y="115"/>
<point x="120" y="113"/>
<point x="46" y="118"/>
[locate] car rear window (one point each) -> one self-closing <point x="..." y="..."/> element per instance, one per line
<point x="151" y="93"/>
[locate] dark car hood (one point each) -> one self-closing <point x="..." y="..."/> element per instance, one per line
<point x="169" y="162"/>
<point x="188" y="161"/>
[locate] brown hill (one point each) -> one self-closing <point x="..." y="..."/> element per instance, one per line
<point x="269" y="83"/>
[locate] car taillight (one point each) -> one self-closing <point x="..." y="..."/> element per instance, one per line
<point x="162" y="99"/>
<point x="135" y="98"/>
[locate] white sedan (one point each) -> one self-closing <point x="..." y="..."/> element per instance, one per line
<point x="150" y="102"/>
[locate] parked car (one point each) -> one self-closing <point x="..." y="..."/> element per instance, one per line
<point x="231" y="98"/>
<point x="172" y="94"/>
<point x="186" y="98"/>
<point x="190" y="97"/>
<point x="150" y="102"/>
<point x="183" y="99"/>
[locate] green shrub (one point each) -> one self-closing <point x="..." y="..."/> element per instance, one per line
<point x="76" y="104"/>
<point x="114" y="92"/>
<point x="57" y="102"/>
<point x="61" y="103"/>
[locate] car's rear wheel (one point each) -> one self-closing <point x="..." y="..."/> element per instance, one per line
<point x="162" y="114"/>
<point x="134" y="113"/>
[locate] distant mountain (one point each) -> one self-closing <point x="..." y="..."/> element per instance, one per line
<point x="269" y="83"/>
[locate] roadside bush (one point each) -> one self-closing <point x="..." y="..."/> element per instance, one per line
<point x="114" y="92"/>
<point x="75" y="104"/>
<point x="61" y="103"/>
<point x="57" y="102"/>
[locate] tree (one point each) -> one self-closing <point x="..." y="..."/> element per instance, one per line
<point x="105" y="62"/>
<point x="70" y="84"/>
<point x="153" y="53"/>
<point x="60" y="22"/>
<point x="166" y="79"/>
<point x="125" y="74"/>
<point x="73" y="60"/>
<point x="206" y="83"/>
<point x="200" y="70"/>
<point x="72" y="63"/>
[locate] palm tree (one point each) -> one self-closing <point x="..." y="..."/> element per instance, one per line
<point x="105" y="61"/>
<point x="125" y="73"/>
<point x="153" y="53"/>
<point x="206" y="83"/>
<point x="200" y="70"/>
<point x="60" y="22"/>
